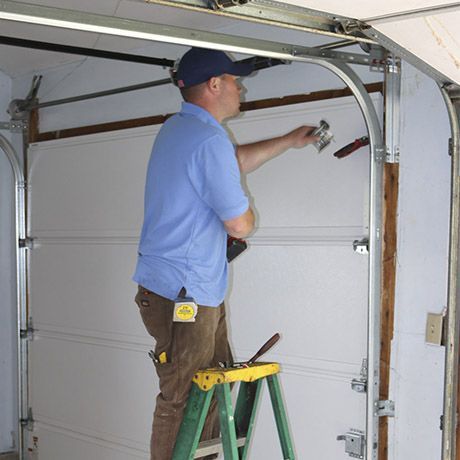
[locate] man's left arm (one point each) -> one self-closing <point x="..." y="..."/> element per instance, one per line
<point x="251" y="156"/>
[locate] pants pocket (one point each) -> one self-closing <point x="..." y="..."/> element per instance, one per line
<point x="156" y="314"/>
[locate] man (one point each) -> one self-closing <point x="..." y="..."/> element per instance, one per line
<point x="193" y="199"/>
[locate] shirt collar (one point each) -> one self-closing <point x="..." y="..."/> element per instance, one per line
<point x="200" y="113"/>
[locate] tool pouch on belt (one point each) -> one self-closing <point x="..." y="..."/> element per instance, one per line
<point x="185" y="308"/>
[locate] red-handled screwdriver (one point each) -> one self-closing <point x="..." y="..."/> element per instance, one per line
<point x="352" y="147"/>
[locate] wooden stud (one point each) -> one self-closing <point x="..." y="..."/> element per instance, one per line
<point x="33" y="126"/>
<point x="390" y="209"/>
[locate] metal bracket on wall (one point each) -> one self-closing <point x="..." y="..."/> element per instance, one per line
<point x="392" y="108"/>
<point x="15" y="126"/>
<point x="377" y="55"/>
<point x="385" y="408"/>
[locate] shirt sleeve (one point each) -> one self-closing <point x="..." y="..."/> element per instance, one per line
<point x="215" y="176"/>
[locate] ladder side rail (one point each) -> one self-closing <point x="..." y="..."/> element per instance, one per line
<point x="245" y="412"/>
<point x="280" y="417"/>
<point x="192" y="423"/>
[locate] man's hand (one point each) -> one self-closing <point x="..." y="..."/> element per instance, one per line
<point x="301" y="137"/>
<point x="252" y="156"/>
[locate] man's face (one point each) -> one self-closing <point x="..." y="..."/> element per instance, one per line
<point x="230" y="95"/>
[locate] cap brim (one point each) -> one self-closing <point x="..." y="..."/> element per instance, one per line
<point x="241" y="69"/>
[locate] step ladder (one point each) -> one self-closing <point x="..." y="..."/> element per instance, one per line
<point x="236" y="428"/>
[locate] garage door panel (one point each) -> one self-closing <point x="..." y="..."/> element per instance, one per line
<point x="101" y="390"/>
<point x="100" y="184"/>
<point x="56" y="442"/>
<point x="314" y="296"/>
<point x="71" y="292"/>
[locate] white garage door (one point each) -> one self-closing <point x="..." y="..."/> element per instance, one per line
<point x="92" y="383"/>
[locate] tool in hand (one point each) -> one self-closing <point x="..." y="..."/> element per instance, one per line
<point x="325" y="136"/>
<point x="352" y="147"/>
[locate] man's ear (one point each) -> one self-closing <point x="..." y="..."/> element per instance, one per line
<point x="214" y="84"/>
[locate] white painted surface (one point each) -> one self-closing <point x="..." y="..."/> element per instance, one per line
<point x="8" y="394"/>
<point x="432" y="36"/>
<point x="417" y="376"/>
<point x="92" y="383"/>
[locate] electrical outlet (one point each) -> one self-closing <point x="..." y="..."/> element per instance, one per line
<point x="433" y="333"/>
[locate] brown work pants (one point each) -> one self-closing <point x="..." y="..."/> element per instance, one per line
<point x="188" y="347"/>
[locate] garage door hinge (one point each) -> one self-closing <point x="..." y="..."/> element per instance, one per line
<point x="380" y="154"/>
<point x="384" y="408"/>
<point x="27" y="243"/>
<point x="360" y="384"/>
<point x="392" y="154"/>
<point x="355" y="442"/>
<point x="28" y="334"/>
<point x="28" y="423"/>
<point x="361" y="247"/>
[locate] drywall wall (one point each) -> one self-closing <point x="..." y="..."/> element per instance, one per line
<point x="417" y="368"/>
<point x="7" y="281"/>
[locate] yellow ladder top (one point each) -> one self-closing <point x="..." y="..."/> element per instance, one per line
<point x="207" y="378"/>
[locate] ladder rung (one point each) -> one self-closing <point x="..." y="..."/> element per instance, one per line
<point x="214" y="446"/>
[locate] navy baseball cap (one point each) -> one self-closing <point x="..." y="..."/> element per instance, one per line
<point x="199" y="65"/>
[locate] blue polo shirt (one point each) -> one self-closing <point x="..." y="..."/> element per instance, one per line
<point x="193" y="185"/>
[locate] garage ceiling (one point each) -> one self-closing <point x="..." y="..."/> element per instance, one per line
<point x="18" y="61"/>
<point x="427" y="29"/>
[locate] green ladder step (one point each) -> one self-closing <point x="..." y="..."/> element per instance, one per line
<point x="214" y="446"/>
<point x="236" y="426"/>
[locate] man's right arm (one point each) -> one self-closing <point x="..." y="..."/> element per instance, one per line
<point x="241" y="226"/>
